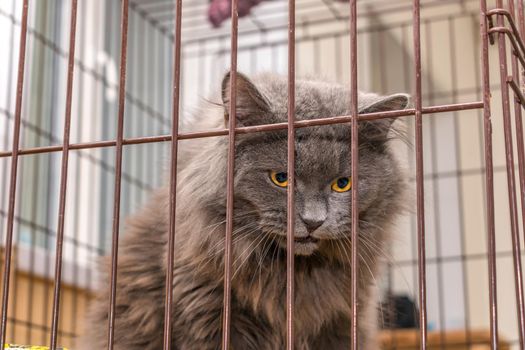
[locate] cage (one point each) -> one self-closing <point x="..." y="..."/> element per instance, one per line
<point x="461" y="60"/>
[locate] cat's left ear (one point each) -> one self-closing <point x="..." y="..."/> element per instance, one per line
<point x="371" y="103"/>
<point x="376" y="131"/>
<point x="251" y="104"/>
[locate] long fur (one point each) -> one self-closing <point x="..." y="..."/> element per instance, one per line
<point x="322" y="277"/>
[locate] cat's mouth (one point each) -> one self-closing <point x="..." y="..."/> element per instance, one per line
<point x="307" y="239"/>
<point x="305" y="245"/>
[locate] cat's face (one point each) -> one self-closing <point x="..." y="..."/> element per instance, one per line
<point x="323" y="179"/>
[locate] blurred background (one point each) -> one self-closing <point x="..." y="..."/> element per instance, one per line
<point x="457" y="274"/>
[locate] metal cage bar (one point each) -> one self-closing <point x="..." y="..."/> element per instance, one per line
<point x="173" y="175"/>
<point x="254" y="129"/>
<point x="232" y="119"/>
<point x="63" y="177"/>
<point x="489" y="176"/>
<point x="420" y="185"/>
<point x="291" y="125"/>
<point x="13" y="175"/>
<point x="118" y="171"/>
<point x="521" y="163"/>
<point x="511" y="179"/>
<point x="290" y="194"/>
<point x="354" y="297"/>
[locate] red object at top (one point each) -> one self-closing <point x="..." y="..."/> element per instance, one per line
<point x="220" y="10"/>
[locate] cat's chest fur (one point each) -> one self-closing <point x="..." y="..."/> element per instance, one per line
<point x="322" y="294"/>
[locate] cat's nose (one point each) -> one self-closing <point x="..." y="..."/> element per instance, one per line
<point x="312" y="224"/>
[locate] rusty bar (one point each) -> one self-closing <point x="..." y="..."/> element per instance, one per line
<point x="63" y="177"/>
<point x="489" y="175"/>
<point x="510" y="160"/>
<point x="226" y="321"/>
<point x="118" y="170"/>
<point x="509" y="157"/>
<point x="521" y="20"/>
<point x="14" y="169"/>
<point x="407" y="69"/>
<point x="509" y="15"/>
<point x="354" y="176"/>
<point x="518" y="100"/>
<point x="420" y="185"/>
<point x="253" y="129"/>
<point x="290" y="217"/>
<point x="31" y="283"/>
<point x="173" y="175"/>
<point x="8" y="95"/>
<point x="513" y="41"/>
<point x="77" y="191"/>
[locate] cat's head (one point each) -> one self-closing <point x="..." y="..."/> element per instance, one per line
<point x="323" y="179"/>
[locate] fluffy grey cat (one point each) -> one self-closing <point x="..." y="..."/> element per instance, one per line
<point x="322" y="229"/>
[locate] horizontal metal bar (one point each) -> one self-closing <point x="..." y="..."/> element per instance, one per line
<point x="254" y="129"/>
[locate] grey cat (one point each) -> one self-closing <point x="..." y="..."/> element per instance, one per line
<point x="322" y="229"/>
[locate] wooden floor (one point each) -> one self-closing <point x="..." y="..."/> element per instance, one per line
<point x="449" y="340"/>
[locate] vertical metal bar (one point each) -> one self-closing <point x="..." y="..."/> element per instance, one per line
<point x="435" y="188"/>
<point x="290" y="218"/>
<point x="521" y="19"/>
<point x="30" y="287"/>
<point x="521" y="169"/>
<point x="420" y="185"/>
<point x="118" y="170"/>
<point x="63" y="176"/>
<point x="521" y="23"/>
<point x="132" y="117"/>
<point x="8" y="95"/>
<point x="489" y="176"/>
<point x="226" y="322"/>
<point x="51" y="10"/>
<point x="77" y="162"/>
<point x="511" y="179"/>
<point x="173" y="174"/>
<point x="136" y="83"/>
<point x="43" y="169"/>
<point x="518" y="122"/>
<point x="6" y="123"/>
<point x="355" y="175"/>
<point x="13" y="175"/>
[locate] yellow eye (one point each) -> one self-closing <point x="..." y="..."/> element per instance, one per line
<point x="280" y="179"/>
<point x="342" y="184"/>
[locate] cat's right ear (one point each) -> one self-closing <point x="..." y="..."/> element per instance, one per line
<point x="250" y="103"/>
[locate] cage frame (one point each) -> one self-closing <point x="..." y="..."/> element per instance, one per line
<point x="507" y="28"/>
